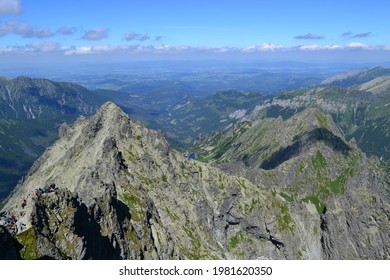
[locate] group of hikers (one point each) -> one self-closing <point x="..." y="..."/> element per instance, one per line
<point x="10" y="218"/>
<point x="47" y="189"/>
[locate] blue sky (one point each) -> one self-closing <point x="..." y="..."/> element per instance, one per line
<point x="48" y="30"/>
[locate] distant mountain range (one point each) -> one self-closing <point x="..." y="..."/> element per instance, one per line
<point x="27" y="98"/>
<point x="356" y="77"/>
<point x="361" y="111"/>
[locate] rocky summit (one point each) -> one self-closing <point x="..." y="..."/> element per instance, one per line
<point x="109" y="188"/>
<point x="31" y="110"/>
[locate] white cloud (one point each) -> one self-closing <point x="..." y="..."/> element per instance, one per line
<point x="320" y="48"/>
<point x="250" y="49"/>
<point x="96" y="34"/>
<point x="67" y="30"/>
<point x="264" y="47"/>
<point x="314" y="47"/>
<point x="100" y="49"/>
<point x="79" y="50"/>
<point x="130" y="36"/>
<point x="24" y="29"/>
<point x="6" y="50"/>
<point x="45" y="47"/>
<point x="270" y="47"/>
<point x="136" y="48"/>
<point x="34" y="47"/>
<point x="335" y="47"/>
<point x="310" y="47"/>
<point x="358" y="45"/>
<point x="10" y="7"/>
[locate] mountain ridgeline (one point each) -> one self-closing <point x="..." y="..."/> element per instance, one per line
<point x="360" y="108"/>
<point x="27" y="98"/>
<point x="273" y="189"/>
<point x="361" y="112"/>
<point x="356" y="77"/>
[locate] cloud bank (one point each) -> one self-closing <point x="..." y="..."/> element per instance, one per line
<point x="10" y="7"/>
<point x="23" y="29"/>
<point x="46" y="47"/>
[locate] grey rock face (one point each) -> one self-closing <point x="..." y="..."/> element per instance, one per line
<point x="123" y="193"/>
<point x="337" y="196"/>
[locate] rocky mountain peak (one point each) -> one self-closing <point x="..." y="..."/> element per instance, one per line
<point x="110" y="110"/>
<point x="271" y="141"/>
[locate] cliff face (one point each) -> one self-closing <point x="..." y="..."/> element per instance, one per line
<point x="122" y="193"/>
<point x="307" y="162"/>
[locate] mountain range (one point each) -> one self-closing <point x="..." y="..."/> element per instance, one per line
<point x="300" y="175"/>
<point x="361" y="111"/>
<point x="121" y="192"/>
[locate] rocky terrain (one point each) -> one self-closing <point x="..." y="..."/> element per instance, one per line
<point x="361" y="112"/>
<point x="31" y="111"/>
<point x="119" y="191"/>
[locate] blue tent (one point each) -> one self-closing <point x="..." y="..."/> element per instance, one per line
<point x="190" y="155"/>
